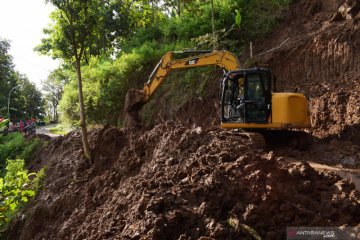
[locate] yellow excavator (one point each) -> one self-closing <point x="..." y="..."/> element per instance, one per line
<point x="248" y="97"/>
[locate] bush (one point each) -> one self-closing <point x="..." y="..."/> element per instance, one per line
<point x="13" y="146"/>
<point x="17" y="188"/>
<point x="30" y="148"/>
<point x="106" y="83"/>
<point x="10" y="146"/>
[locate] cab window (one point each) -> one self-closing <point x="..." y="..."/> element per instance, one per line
<point x="254" y="88"/>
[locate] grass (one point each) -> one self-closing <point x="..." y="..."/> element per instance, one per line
<point x="60" y="129"/>
<point x="13" y="146"/>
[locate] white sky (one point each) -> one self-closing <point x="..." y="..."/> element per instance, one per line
<point x="21" y="22"/>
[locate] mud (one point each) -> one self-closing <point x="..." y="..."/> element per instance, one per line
<point x="320" y="57"/>
<point x="175" y="182"/>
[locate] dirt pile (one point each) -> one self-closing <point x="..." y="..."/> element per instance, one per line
<point x="173" y="182"/>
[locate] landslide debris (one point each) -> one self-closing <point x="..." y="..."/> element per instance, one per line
<point x="174" y="182"/>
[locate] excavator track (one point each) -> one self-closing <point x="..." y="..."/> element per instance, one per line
<point x="287" y="138"/>
<point x="255" y="140"/>
<point x="276" y="139"/>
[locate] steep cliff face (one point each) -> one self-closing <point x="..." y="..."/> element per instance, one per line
<point x="316" y="50"/>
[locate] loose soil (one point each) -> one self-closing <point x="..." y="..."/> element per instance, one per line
<point x="175" y="182"/>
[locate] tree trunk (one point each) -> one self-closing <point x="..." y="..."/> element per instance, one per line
<point x="179" y="8"/>
<point x="54" y="114"/>
<point x="84" y="136"/>
<point x="213" y="25"/>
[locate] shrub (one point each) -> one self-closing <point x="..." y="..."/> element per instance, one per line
<point x="16" y="188"/>
<point x="14" y="146"/>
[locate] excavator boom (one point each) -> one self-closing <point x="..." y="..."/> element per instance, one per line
<point x="224" y="59"/>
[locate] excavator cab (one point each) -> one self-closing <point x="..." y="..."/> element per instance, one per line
<point x="246" y="96"/>
<point x="249" y="101"/>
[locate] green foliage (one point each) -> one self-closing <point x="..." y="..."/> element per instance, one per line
<point x="53" y="86"/>
<point x="180" y="87"/>
<point x="8" y="75"/>
<point x="106" y="83"/>
<point x="31" y="104"/>
<point x="88" y="28"/>
<point x="26" y="100"/>
<point x="10" y="145"/>
<point x="3" y="124"/>
<point x="30" y="148"/>
<point x="13" y="146"/>
<point x="17" y="188"/>
<point x="237" y="18"/>
<point x="150" y="28"/>
<point x="61" y="129"/>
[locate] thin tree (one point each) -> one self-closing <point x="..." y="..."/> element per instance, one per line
<point x="54" y="87"/>
<point x="214" y="40"/>
<point x="72" y="34"/>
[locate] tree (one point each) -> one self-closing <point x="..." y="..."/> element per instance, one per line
<point x="8" y="76"/>
<point x="29" y="101"/>
<point x="176" y="5"/>
<point x="26" y="101"/>
<point x="73" y="34"/>
<point x="83" y="29"/>
<point x="54" y="87"/>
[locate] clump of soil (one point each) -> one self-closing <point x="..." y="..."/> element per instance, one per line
<point x="174" y="182"/>
<point x="134" y="101"/>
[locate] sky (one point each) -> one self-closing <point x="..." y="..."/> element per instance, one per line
<point x="21" y="22"/>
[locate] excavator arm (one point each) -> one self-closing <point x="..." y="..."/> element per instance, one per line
<point x="258" y="108"/>
<point x="224" y="59"/>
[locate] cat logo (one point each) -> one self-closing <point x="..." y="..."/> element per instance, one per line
<point x="192" y="62"/>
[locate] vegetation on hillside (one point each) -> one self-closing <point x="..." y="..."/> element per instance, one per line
<point x="17" y="185"/>
<point x="131" y="36"/>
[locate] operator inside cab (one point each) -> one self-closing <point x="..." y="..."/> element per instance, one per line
<point x="246" y="96"/>
<point x="235" y="98"/>
<point x="240" y="108"/>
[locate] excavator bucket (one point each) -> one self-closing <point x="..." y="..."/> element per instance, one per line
<point x="134" y="101"/>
